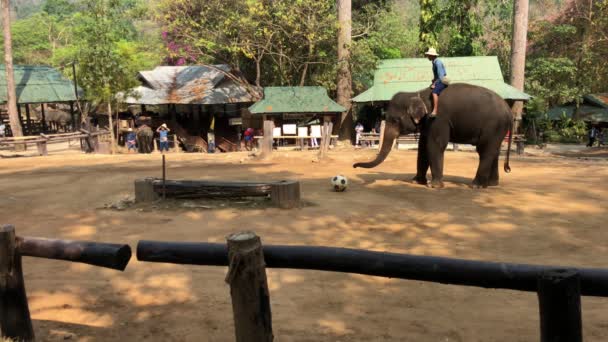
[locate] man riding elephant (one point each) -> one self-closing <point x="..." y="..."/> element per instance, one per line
<point x="439" y="82"/>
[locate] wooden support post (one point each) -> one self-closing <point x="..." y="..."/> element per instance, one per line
<point x="42" y="150"/>
<point x="29" y="119"/>
<point x="559" y="299"/>
<point x="144" y="190"/>
<point x="325" y="136"/>
<point x="267" y="141"/>
<point x="382" y="128"/>
<point x="520" y="147"/>
<point x="164" y="178"/>
<point x="249" y="288"/>
<point x="15" y="321"/>
<point x="175" y="144"/>
<point x="74" y="119"/>
<point x="285" y="194"/>
<point x="44" y="127"/>
<point x="19" y="114"/>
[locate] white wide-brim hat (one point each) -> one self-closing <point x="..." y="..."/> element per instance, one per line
<point x="431" y="52"/>
<point x="163" y="125"/>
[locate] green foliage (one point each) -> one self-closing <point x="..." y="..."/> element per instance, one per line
<point x="106" y="62"/>
<point x="384" y="35"/>
<point x="461" y="28"/>
<point x="59" y="8"/>
<point x="429" y="24"/>
<point x="565" y="130"/>
<point x="30" y="39"/>
<point x="554" y="80"/>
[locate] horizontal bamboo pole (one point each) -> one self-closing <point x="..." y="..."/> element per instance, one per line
<point x="594" y="282"/>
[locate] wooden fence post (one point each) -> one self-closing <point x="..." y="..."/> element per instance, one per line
<point x="15" y="321"/>
<point x="267" y="140"/>
<point x="382" y="126"/>
<point x="559" y="299"/>
<point x="249" y="288"/>
<point x="325" y="137"/>
<point x="285" y="194"/>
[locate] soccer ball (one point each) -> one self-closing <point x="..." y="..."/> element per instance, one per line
<point x="339" y="183"/>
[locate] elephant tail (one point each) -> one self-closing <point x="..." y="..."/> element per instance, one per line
<point x="507" y="167"/>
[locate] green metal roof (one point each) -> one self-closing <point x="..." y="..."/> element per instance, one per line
<point x="38" y="84"/>
<point x="585" y="113"/>
<point x="415" y="74"/>
<point x="278" y="100"/>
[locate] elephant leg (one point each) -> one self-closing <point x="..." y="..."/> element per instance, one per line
<point x="494" y="173"/>
<point x="422" y="161"/>
<point x="487" y="157"/>
<point x="436" y="154"/>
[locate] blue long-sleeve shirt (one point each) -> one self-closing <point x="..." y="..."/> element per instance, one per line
<point x="438" y="70"/>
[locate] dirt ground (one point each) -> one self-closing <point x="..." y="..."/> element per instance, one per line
<point x="549" y="210"/>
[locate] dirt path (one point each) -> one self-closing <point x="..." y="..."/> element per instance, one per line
<point x="547" y="211"/>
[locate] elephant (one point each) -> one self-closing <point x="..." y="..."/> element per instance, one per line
<point x="144" y="138"/>
<point x="468" y="114"/>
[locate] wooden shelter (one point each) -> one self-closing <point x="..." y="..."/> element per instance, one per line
<point x="36" y="87"/>
<point x="297" y="113"/>
<point x="204" y="105"/>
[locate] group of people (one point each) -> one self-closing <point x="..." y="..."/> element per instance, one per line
<point x="163" y="134"/>
<point x="596" y="134"/>
<point x="359" y="132"/>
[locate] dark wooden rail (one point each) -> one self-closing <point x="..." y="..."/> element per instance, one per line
<point x="15" y="321"/>
<point x="594" y="282"/>
<point x="109" y="255"/>
<point x="558" y="288"/>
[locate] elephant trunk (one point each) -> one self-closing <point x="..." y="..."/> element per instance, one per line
<point x="391" y="132"/>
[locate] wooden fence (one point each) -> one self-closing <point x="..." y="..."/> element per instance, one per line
<point x="89" y="140"/>
<point x="15" y="321"/>
<point x="558" y="288"/>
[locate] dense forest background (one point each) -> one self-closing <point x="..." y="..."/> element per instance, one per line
<point x="293" y="42"/>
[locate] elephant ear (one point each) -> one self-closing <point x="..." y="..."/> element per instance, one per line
<point x="417" y="109"/>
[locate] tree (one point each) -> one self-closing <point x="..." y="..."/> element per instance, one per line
<point x="518" y="53"/>
<point x="104" y="68"/>
<point x="462" y="28"/>
<point x="11" y="97"/>
<point x="428" y="24"/>
<point x="345" y="81"/>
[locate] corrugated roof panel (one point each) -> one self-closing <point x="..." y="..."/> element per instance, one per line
<point x="195" y="84"/>
<point x="278" y="100"/>
<point x="39" y="84"/>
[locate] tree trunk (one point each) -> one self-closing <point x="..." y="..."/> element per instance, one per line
<point x="345" y="82"/>
<point x="10" y="75"/>
<point x="111" y="128"/>
<point x="518" y="54"/>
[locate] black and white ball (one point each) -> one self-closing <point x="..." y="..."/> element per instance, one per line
<point x="339" y="183"/>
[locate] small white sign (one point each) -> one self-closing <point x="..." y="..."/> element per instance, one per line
<point x="290" y="129"/>
<point x="302" y="131"/>
<point x="315" y="131"/>
<point x="235" y="121"/>
<point x="276" y="132"/>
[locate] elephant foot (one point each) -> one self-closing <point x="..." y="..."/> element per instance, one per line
<point x="478" y="185"/>
<point x="493" y="182"/>
<point x="420" y="180"/>
<point x="436" y="184"/>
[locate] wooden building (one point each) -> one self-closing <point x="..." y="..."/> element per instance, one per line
<point x="45" y="100"/>
<point x="201" y="104"/>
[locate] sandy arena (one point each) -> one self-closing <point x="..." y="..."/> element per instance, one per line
<point x="549" y="210"/>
